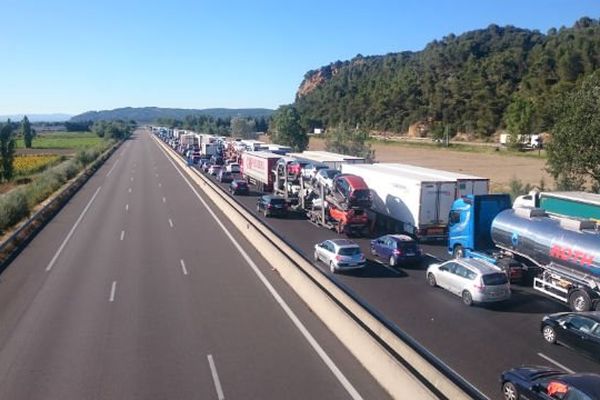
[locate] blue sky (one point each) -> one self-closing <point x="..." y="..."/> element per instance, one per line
<point x="74" y="56"/>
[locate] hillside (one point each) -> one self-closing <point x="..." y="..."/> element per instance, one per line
<point x="150" y="114"/>
<point x="462" y="83"/>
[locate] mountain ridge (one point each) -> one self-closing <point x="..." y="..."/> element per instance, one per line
<point x="150" y="114"/>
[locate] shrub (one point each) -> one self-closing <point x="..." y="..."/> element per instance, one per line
<point x="13" y="208"/>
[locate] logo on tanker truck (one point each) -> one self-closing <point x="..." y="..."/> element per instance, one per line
<point x="569" y="254"/>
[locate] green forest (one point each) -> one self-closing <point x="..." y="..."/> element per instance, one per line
<point x="463" y="83"/>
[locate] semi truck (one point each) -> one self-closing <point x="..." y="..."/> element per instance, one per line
<point x="407" y="202"/>
<point x="209" y="149"/>
<point x="565" y="251"/>
<point x="257" y="167"/>
<point x="572" y="204"/>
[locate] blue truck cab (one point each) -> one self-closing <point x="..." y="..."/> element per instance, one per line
<point x="469" y="225"/>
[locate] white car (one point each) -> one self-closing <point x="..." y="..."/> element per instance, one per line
<point x="340" y="254"/>
<point x="326" y="176"/>
<point x="475" y="281"/>
<point x="234" y="168"/>
<point x="214" y="169"/>
<point x="310" y="170"/>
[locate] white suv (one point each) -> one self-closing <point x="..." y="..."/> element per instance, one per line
<point x="340" y="254"/>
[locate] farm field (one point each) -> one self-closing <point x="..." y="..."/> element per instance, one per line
<point x="500" y="168"/>
<point x="61" y="140"/>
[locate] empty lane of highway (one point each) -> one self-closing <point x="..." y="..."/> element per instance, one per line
<point x="148" y="297"/>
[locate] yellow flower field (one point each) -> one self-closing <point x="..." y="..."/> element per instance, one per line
<point x="30" y="164"/>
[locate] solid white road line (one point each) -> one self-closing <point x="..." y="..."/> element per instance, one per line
<point x="183" y="267"/>
<point x="122" y="235"/>
<point x="215" y="376"/>
<point x="64" y="243"/>
<point x="545" y="357"/>
<point x="113" y="167"/>
<point x="170" y="222"/>
<point x="288" y="311"/>
<point x="113" y="290"/>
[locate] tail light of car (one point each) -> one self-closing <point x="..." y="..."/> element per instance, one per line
<point x="479" y="284"/>
<point x="269" y="205"/>
<point x="397" y="252"/>
<point x="338" y="257"/>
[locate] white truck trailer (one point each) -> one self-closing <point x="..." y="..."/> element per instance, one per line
<point x="407" y="202"/>
<point x="465" y="184"/>
<point x="332" y="160"/>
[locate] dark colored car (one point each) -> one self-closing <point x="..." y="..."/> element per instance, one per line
<point x="224" y="176"/>
<point x="548" y="383"/>
<point x="271" y="205"/>
<point x="218" y="160"/>
<point x="580" y="331"/>
<point x="396" y="249"/>
<point x="239" y="187"/>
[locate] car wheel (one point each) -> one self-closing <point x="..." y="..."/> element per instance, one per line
<point x="392" y="261"/>
<point x="316" y="256"/>
<point x="458" y="251"/>
<point x="431" y="280"/>
<point x="266" y="213"/>
<point x="509" y="391"/>
<point x="580" y="301"/>
<point x="332" y="267"/>
<point x="373" y="252"/>
<point x="467" y="299"/>
<point x="257" y="209"/>
<point x="549" y="334"/>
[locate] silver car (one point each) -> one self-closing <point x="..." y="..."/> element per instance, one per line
<point x="475" y="281"/>
<point x="340" y="254"/>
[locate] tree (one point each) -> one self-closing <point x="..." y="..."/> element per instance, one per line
<point x="27" y="132"/>
<point x="7" y="150"/>
<point x="574" y="148"/>
<point x="519" y="121"/>
<point x="350" y="141"/>
<point x="243" y="127"/>
<point x="285" y="128"/>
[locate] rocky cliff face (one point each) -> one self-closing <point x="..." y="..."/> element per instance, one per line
<point x="316" y="78"/>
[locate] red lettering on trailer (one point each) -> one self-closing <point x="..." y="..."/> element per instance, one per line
<point x="568" y="254"/>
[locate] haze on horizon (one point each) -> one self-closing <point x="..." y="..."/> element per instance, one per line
<point x="71" y="57"/>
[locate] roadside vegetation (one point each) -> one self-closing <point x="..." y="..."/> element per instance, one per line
<point x="26" y="180"/>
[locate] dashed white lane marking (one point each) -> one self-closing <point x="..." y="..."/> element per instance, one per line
<point x="126" y="207"/>
<point x="288" y="311"/>
<point x="129" y="190"/>
<point x="170" y="222"/>
<point x="215" y="376"/>
<point x="183" y="268"/>
<point x="164" y="199"/>
<point x="111" y="168"/>
<point x="113" y="291"/>
<point x="384" y="265"/>
<point x="131" y="179"/>
<point x="545" y="357"/>
<point x="159" y="184"/>
<point x="122" y="235"/>
<point x="64" y="243"/>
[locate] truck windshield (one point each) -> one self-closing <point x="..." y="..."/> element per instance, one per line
<point x="495" y="279"/>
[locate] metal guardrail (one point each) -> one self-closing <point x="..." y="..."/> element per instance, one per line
<point x="15" y="243"/>
<point x="448" y="372"/>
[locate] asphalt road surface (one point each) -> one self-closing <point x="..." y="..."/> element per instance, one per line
<point x="477" y="342"/>
<point x="134" y="291"/>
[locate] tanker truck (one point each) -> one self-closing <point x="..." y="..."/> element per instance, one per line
<point x="565" y="251"/>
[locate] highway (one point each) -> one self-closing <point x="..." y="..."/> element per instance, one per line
<point x="477" y="342"/>
<point x="136" y="291"/>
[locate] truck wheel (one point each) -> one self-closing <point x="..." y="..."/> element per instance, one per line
<point x="431" y="280"/>
<point x="549" y="334"/>
<point x="392" y="261"/>
<point x="467" y="299"/>
<point x="580" y="301"/>
<point x="458" y="251"/>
